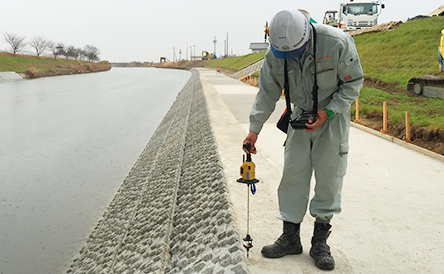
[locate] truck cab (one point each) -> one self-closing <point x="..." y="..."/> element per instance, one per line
<point x="359" y="14"/>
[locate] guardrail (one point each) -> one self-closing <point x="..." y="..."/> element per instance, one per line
<point x="240" y="75"/>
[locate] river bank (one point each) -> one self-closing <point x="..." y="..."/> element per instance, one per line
<point x="30" y="67"/>
<point x="67" y="69"/>
<point x="172" y="213"/>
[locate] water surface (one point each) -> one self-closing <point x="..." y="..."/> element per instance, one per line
<point x="66" y="145"/>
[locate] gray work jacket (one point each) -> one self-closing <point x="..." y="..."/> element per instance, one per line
<point x="339" y="77"/>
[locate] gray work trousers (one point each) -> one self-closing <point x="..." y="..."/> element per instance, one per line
<point x="323" y="151"/>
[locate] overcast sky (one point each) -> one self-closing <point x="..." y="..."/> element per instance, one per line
<point x="145" y="30"/>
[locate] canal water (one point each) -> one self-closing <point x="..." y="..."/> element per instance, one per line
<point x="66" y="145"/>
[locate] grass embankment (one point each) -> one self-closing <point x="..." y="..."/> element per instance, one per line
<point x="33" y="66"/>
<point x="397" y="55"/>
<point x="231" y="64"/>
<point x="389" y="60"/>
<point x="236" y="63"/>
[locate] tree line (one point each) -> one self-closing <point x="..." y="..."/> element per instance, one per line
<point x="41" y="45"/>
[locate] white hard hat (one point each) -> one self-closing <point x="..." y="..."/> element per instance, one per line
<point x="289" y="34"/>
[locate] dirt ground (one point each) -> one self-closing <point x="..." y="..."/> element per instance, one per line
<point x="429" y="139"/>
<point x="67" y="69"/>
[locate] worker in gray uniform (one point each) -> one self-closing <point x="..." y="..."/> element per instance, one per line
<point x="323" y="145"/>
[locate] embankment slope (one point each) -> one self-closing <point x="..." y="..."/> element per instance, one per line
<point x="171" y="214"/>
<point x="34" y="67"/>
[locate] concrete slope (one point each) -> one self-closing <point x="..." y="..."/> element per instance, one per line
<point x="9" y="76"/>
<point x="171" y="214"/>
<point x="392" y="196"/>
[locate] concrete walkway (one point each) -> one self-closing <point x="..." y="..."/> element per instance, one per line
<point x="393" y="196"/>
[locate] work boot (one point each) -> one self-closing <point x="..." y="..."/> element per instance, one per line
<point x="288" y="243"/>
<point x="320" y="251"/>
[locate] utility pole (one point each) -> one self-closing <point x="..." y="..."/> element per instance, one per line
<point x="227" y="44"/>
<point x="194" y="46"/>
<point x="180" y="54"/>
<point x="215" y="43"/>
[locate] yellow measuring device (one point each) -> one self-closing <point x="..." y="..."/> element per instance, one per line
<point x="247" y="171"/>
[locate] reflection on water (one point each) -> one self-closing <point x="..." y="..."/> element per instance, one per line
<point x="66" y="144"/>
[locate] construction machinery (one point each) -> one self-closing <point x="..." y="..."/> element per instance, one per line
<point x="164" y="60"/>
<point x="331" y="18"/>
<point x="355" y="15"/>
<point x="429" y="85"/>
<point x="207" y="56"/>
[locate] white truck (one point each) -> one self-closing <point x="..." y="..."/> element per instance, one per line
<point x="355" y="15"/>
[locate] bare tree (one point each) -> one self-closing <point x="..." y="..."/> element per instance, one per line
<point x="52" y="48"/>
<point x="60" y="48"/>
<point x="17" y="43"/>
<point x="92" y="53"/>
<point x="39" y="44"/>
<point x="56" y="49"/>
<point x="82" y="54"/>
<point x="76" y="53"/>
<point x="70" y="52"/>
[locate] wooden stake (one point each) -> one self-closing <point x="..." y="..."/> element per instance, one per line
<point x="357" y="111"/>
<point x="407" y="127"/>
<point x="242" y="76"/>
<point x="384" y="118"/>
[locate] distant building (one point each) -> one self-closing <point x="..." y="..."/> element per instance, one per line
<point x="258" y="46"/>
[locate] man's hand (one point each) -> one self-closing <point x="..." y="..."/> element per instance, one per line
<point x="251" y="139"/>
<point x="322" y="116"/>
